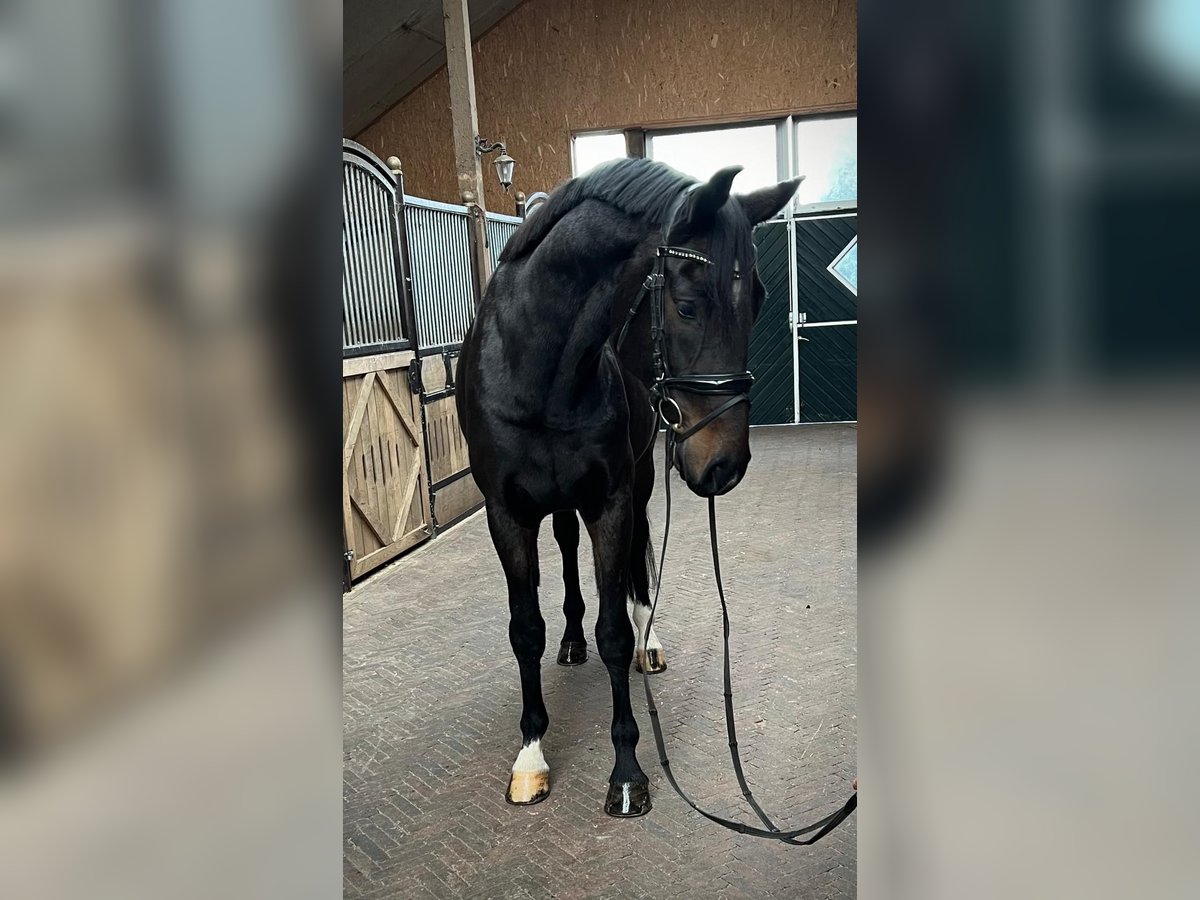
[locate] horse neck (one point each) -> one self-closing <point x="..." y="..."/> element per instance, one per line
<point x="595" y="288"/>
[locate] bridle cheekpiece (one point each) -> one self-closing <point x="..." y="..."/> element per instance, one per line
<point x="735" y="385"/>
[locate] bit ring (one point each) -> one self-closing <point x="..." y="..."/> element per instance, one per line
<point x="676" y="425"/>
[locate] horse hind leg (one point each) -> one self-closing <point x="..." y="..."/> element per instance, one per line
<point x="648" y="653"/>
<point x="573" y="649"/>
<point x="517" y="548"/>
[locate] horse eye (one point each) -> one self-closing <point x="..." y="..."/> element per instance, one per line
<point x="685" y="309"/>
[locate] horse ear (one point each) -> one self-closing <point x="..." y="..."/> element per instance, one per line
<point x="701" y="207"/>
<point x="760" y="205"/>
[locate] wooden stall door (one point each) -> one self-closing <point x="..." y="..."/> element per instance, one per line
<point x="385" y="502"/>
<point x="454" y="493"/>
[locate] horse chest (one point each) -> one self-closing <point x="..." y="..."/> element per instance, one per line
<point x="558" y="472"/>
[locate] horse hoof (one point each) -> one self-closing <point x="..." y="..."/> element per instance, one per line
<point x="653" y="661"/>
<point x="527" y="788"/>
<point x="572" y="653"/>
<point x="627" y="799"/>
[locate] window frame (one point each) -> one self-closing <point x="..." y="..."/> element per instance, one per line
<point x="793" y="149"/>
<point x="781" y="164"/>
<point x="787" y="150"/>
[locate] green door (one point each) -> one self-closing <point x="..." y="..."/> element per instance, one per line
<point x="807" y="346"/>
<point x="827" y="310"/>
<point x="772" y="400"/>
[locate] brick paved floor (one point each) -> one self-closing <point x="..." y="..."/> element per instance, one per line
<point x="432" y="701"/>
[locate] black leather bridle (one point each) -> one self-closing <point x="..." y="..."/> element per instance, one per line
<point x="737" y="387"/>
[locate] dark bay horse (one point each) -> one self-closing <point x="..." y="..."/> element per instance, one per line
<point x="559" y="423"/>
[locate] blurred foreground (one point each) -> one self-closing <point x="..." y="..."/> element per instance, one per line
<point x="1029" y="489"/>
<point x="169" y="693"/>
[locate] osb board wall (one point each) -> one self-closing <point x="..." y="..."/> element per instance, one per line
<point x="557" y="66"/>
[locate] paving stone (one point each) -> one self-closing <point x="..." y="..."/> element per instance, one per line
<point x="432" y="702"/>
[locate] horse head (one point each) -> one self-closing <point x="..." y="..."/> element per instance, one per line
<point x="711" y="299"/>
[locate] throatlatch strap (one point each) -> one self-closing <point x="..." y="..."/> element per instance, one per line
<point x="821" y="827"/>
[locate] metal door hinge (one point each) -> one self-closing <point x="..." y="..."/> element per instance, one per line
<point x="348" y="556"/>
<point x="415" y="384"/>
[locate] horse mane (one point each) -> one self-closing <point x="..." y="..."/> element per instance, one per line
<point x="640" y="187"/>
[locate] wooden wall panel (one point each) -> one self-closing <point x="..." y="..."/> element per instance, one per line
<point x="553" y="67"/>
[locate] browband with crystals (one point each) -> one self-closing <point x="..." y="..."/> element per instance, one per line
<point x="683" y="253"/>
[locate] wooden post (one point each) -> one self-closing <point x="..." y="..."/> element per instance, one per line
<point x="465" y="118"/>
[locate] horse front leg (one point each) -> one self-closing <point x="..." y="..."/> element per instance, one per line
<point x="573" y="649"/>
<point x="516" y="546"/>
<point x="611" y="533"/>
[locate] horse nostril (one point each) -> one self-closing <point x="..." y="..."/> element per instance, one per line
<point x="720" y="476"/>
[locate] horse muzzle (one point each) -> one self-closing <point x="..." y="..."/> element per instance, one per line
<point x="721" y="475"/>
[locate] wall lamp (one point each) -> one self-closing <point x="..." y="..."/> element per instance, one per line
<point x="504" y="163"/>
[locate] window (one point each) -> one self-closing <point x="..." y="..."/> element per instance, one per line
<point x="824" y="149"/>
<point x="845" y="267"/>
<point x="827" y="155"/>
<point x="589" y="150"/>
<point x="701" y="153"/>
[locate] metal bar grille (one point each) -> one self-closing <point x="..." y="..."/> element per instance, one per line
<point x="440" y="254"/>
<point x="499" y="229"/>
<point x="372" y="306"/>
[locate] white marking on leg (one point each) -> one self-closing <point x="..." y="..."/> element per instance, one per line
<point x="639" y="614"/>
<point x="530" y="759"/>
<point x="637" y="621"/>
<point x="530" y="779"/>
<point x="652" y="642"/>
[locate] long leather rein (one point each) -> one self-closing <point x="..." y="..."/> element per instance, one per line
<point x="737" y="387"/>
